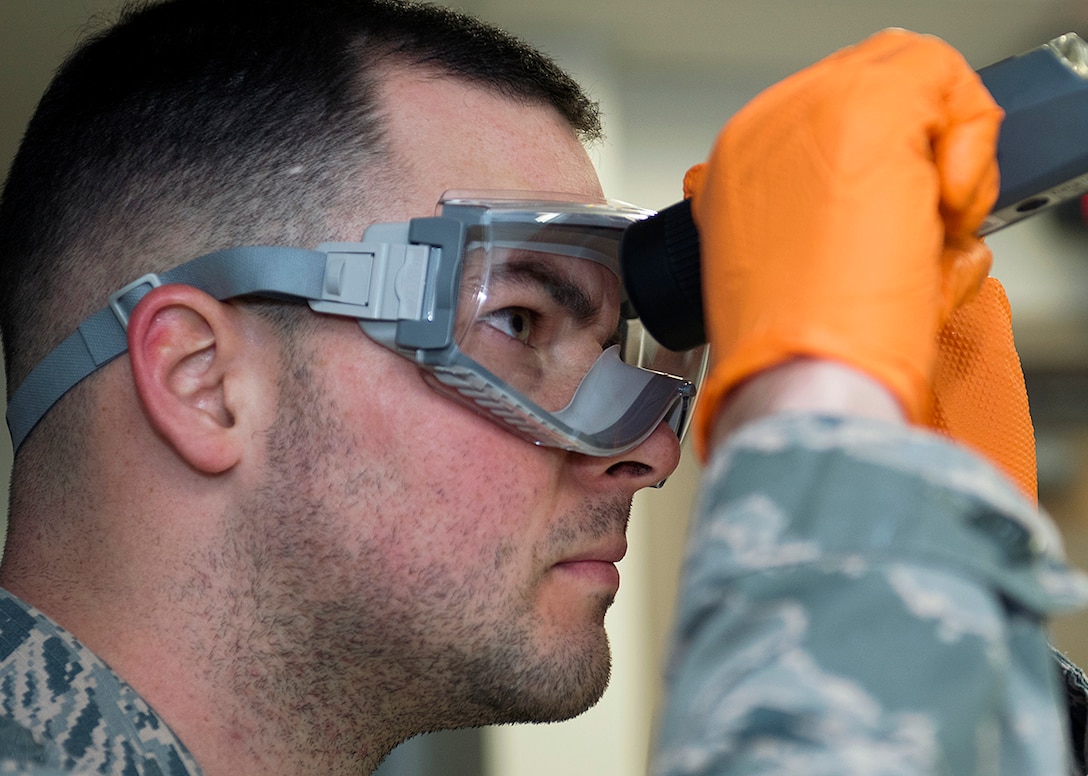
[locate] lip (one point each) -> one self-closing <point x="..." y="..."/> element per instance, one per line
<point x="597" y="565"/>
<point x="611" y="551"/>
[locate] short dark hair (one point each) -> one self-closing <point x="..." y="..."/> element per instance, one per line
<point x="192" y="125"/>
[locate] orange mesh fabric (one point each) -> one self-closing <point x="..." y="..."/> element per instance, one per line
<point x="978" y="385"/>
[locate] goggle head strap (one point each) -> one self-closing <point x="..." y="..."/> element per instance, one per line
<point x="411" y="287"/>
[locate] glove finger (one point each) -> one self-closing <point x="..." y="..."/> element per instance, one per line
<point x="694" y="179"/>
<point x="964" y="121"/>
<point x="965" y="263"/>
<point x="965" y="155"/>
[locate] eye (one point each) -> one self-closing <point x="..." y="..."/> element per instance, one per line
<point x="514" y="322"/>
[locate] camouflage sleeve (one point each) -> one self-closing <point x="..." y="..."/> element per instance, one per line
<point x="860" y="598"/>
<point x="63" y="710"/>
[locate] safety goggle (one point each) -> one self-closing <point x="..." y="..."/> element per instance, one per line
<point x="509" y="302"/>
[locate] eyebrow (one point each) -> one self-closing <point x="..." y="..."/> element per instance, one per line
<point x="563" y="291"/>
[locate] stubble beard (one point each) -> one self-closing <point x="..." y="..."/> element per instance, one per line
<point x="510" y="681"/>
<point x="518" y="669"/>
<point x="364" y="669"/>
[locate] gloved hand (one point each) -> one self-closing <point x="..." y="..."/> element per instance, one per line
<point x="837" y="217"/>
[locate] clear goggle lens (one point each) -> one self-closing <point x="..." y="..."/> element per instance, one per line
<point x="545" y="342"/>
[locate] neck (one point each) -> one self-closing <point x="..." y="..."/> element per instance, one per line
<point x="242" y="696"/>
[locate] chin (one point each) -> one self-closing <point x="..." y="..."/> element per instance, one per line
<point x="536" y="680"/>
<point x="569" y="683"/>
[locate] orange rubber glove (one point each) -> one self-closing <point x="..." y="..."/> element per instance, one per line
<point x="979" y="397"/>
<point x="837" y="217"/>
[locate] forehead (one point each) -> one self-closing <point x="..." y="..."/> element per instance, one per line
<point x="445" y="133"/>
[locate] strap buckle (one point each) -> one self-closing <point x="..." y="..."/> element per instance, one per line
<point x="123" y="306"/>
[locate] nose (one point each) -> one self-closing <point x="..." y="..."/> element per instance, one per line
<point x="646" y="465"/>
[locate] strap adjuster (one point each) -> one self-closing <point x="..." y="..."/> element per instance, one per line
<point x="123" y="306"/>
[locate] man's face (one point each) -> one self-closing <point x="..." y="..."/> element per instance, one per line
<point x="462" y="568"/>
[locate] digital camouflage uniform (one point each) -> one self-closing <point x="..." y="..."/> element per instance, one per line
<point x="65" y="711"/>
<point x="861" y="598"/>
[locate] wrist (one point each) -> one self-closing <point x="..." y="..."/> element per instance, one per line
<point x="805" y="385"/>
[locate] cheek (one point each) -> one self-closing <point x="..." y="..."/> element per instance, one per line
<point x="479" y="486"/>
<point x="457" y="485"/>
<point x="444" y="482"/>
<point x="458" y="536"/>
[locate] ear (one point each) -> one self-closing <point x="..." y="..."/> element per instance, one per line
<point x="187" y="352"/>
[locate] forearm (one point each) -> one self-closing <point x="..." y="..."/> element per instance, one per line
<point x="858" y="588"/>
